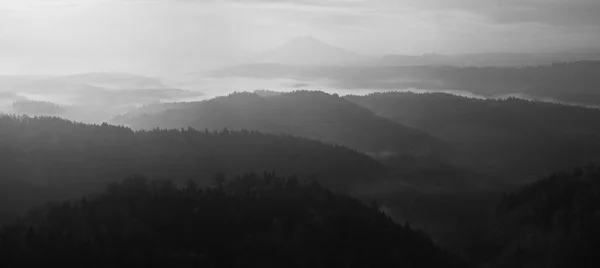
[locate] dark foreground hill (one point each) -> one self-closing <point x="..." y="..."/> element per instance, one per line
<point x="554" y="222"/>
<point x="510" y="136"/>
<point x="67" y="159"/>
<point x="311" y="114"/>
<point x="251" y="221"/>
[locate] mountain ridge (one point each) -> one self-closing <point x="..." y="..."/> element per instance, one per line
<point x="311" y="114"/>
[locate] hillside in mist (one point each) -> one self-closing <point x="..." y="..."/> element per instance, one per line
<point x="309" y="114"/>
<point x="310" y="51"/>
<point x="89" y="97"/>
<point x="484" y="59"/>
<point x="458" y="118"/>
<point x="572" y="82"/>
<point x="512" y="136"/>
<point x="116" y="80"/>
<point x="37" y="108"/>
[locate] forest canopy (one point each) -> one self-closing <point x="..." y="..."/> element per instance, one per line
<point x="250" y="221"/>
<point x="63" y="159"/>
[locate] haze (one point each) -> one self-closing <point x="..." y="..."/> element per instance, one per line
<point x="169" y="37"/>
<point x="300" y="133"/>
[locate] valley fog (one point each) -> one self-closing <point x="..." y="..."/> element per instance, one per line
<point x="98" y="100"/>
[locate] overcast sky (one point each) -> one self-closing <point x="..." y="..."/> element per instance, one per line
<point x="71" y="35"/>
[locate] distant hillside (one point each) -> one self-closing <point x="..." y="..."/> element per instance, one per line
<point x="252" y="221"/>
<point x="457" y="118"/>
<point x="32" y="108"/>
<point x="91" y="97"/>
<point x="313" y="52"/>
<point x="463" y="60"/>
<point x="308" y="51"/>
<point x="572" y="82"/>
<point x="69" y="159"/>
<point x="116" y="80"/>
<point x="512" y="135"/>
<point x="484" y="59"/>
<point x="316" y="115"/>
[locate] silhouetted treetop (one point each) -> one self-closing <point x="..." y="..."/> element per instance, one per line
<point x="554" y="222"/>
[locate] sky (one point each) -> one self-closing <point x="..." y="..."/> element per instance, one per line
<point x="51" y="36"/>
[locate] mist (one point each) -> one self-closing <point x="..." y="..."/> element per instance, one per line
<point x="299" y="133"/>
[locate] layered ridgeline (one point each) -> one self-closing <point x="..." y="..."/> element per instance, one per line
<point x="34" y="108"/>
<point x="310" y="114"/>
<point x="572" y="82"/>
<point x="513" y="136"/>
<point x="415" y="157"/>
<point x="89" y="97"/>
<point x="554" y="222"/>
<point x="68" y="159"/>
<point x="251" y="221"/>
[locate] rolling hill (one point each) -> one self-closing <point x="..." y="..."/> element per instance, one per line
<point x="67" y="159"/>
<point x="568" y="82"/>
<point x="309" y="114"/>
<point x="252" y="221"/>
<point x="90" y="97"/>
<point x="513" y="136"/>
<point x="552" y="222"/>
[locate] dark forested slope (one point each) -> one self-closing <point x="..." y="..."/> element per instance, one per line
<point x="554" y="222"/>
<point x="252" y="221"/>
<point x="70" y="158"/>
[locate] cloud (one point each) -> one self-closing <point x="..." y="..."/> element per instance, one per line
<point x="328" y="6"/>
<point x="36" y="5"/>
<point x="563" y="13"/>
<point x="557" y="13"/>
<point x="572" y="13"/>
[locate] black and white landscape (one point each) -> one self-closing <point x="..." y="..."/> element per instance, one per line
<point x="371" y="133"/>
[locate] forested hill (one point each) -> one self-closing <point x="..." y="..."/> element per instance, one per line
<point x="251" y="221"/>
<point x="554" y="222"/>
<point x="71" y="158"/>
<point x="511" y="136"/>
<point x="37" y="108"/>
<point x="311" y="114"/>
<point x="457" y="118"/>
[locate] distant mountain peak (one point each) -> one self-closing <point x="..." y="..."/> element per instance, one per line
<point x="307" y="40"/>
<point x="308" y="50"/>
